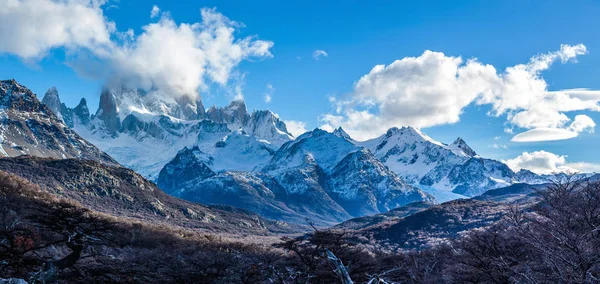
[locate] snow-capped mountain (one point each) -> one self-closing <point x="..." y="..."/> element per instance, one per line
<point x="357" y="180"/>
<point x="145" y="130"/>
<point x="325" y="148"/>
<point x="237" y="151"/>
<point x="190" y="177"/>
<point x="210" y="155"/>
<point x="432" y="165"/>
<point x="320" y="175"/>
<point x="31" y="128"/>
<point x="364" y="186"/>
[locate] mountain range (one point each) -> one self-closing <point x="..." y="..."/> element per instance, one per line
<point x="227" y="155"/>
<point x="241" y="185"/>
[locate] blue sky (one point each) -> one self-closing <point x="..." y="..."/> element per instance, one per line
<point x="358" y="35"/>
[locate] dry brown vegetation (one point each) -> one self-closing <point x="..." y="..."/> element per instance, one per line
<point x="47" y="239"/>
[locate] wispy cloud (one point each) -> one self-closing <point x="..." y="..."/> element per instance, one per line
<point x="318" y="54"/>
<point x="154" y="12"/>
<point x="498" y="146"/>
<point x="269" y="93"/>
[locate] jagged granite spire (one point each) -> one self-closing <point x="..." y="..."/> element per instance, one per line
<point x="235" y="114"/>
<point x="81" y="112"/>
<point x="52" y="100"/>
<point x="108" y="112"/>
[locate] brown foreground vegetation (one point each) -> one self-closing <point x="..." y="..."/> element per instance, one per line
<point x="46" y="239"/>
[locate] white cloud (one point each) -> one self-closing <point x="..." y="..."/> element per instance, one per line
<point x="498" y="146"/>
<point x="319" y="53"/>
<point x="184" y="57"/>
<point x="542" y="162"/>
<point x="581" y="123"/>
<point x="296" y="128"/>
<point x="179" y="58"/>
<point x="544" y="134"/>
<point x="269" y="93"/>
<point x="31" y="28"/>
<point x="155" y="11"/>
<point x="497" y="138"/>
<point x="434" y="89"/>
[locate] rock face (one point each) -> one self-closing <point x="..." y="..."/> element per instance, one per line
<point x="235" y="114"/>
<point x="427" y="163"/>
<point x="108" y="112"/>
<point x="52" y="100"/>
<point x="31" y="128"/>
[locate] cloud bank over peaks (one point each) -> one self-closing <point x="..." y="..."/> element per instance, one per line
<point x="184" y="57"/>
<point x="179" y="58"/>
<point x="542" y="162"/>
<point x="434" y="89"/>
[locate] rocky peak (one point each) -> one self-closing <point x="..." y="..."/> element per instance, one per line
<point x="238" y="107"/>
<point x="108" y="112"/>
<point x="409" y="134"/>
<point x="15" y="96"/>
<point x="190" y="108"/>
<point x="235" y="114"/>
<point x="326" y="148"/>
<point x="200" y="111"/>
<point x="264" y="124"/>
<point x="189" y="164"/>
<point x="82" y="112"/>
<point x="462" y="145"/>
<point x="52" y="100"/>
<point x="341" y="133"/>
<point x="317" y="132"/>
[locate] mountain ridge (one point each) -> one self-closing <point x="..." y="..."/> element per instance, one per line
<point x="29" y="127"/>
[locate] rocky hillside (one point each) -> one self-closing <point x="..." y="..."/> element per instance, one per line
<point x="422" y="225"/>
<point x="121" y="192"/>
<point x="31" y="128"/>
